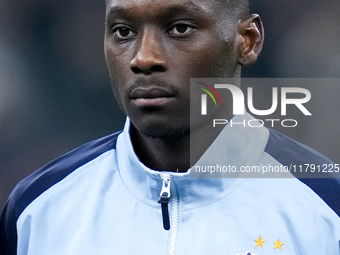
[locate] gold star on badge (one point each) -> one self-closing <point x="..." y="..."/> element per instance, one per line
<point x="259" y="242"/>
<point x="278" y="244"/>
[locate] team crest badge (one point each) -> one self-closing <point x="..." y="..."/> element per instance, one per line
<point x="246" y="253"/>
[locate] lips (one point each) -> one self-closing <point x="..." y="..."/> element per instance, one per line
<point x="151" y="96"/>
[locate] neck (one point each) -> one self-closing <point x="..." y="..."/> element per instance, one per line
<point x="162" y="153"/>
<point x="174" y="154"/>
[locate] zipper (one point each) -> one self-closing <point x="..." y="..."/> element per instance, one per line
<point x="174" y="218"/>
<point x="164" y="199"/>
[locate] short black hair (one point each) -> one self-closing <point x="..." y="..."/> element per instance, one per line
<point x="239" y="8"/>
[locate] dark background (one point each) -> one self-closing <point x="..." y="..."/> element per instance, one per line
<point x="54" y="88"/>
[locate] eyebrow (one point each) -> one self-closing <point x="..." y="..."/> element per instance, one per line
<point x="166" y="11"/>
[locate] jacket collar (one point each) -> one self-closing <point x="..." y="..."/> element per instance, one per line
<point x="236" y="145"/>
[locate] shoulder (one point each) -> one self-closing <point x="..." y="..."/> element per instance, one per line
<point x="288" y="151"/>
<point x="35" y="184"/>
<point x="301" y="159"/>
<point x="43" y="179"/>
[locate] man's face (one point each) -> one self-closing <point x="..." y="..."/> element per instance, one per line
<point x="154" y="47"/>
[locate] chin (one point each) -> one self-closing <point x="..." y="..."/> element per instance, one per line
<point x="167" y="134"/>
<point x="161" y="124"/>
<point x="166" y="131"/>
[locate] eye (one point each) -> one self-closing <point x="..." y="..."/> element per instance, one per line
<point x="180" y="29"/>
<point x="123" y="32"/>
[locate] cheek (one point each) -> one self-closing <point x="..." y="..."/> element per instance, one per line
<point x="117" y="60"/>
<point x="118" y="65"/>
<point x="207" y="60"/>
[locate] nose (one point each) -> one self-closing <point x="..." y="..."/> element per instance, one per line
<point x="149" y="56"/>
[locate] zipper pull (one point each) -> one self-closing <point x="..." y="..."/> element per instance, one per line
<point x="164" y="199"/>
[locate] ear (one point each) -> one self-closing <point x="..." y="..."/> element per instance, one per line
<point x="251" y="36"/>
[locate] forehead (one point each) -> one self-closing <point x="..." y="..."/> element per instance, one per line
<point x="155" y="7"/>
